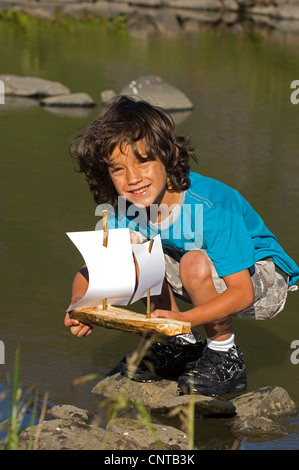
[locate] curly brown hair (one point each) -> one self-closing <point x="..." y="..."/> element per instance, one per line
<point x="126" y="121"/>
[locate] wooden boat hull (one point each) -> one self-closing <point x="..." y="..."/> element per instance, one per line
<point x="133" y="322"/>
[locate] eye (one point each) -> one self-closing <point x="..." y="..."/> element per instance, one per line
<point x="114" y="170"/>
<point x="144" y="161"/>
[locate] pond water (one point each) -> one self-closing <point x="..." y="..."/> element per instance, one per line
<point x="245" y="131"/>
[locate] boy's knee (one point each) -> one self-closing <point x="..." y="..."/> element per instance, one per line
<point x="194" y="267"/>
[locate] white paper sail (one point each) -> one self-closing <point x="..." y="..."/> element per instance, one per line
<point x="111" y="269"/>
<point x="151" y="268"/>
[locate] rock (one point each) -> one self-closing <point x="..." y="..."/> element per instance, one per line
<point x="258" y="413"/>
<point x="144" y="17"/>
<point x="128" y="434"/>
<point x="230" y="17"/>
<point x="71" y="430"/>
<point x="230" y="5"/>
<point x="257" y="427"/>
<point x="286" y="12"/>
<point x="159" y="93"/>
<point x="271" y="402"/>
<point x="167" y="23"/>
<point x="191" y="26"/>
<point x="162" y="396"/>
<point x="287" y="27"/>
<point x="32" y="86"/>
<point x="71" y="99"/>
<point x="50" y="93"/>
<point x="203" y="405"/>
<point x="70" y="412"/>
<point x="59" y="434"/>
<point x="148" y="394"/>
<point x="107" y="95"/>
<point x="195" y="4"/>
<point x="142" y="26"/>
<point x="144" y="3"/>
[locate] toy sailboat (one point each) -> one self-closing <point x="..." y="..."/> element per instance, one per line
<point x="113" y="263"/>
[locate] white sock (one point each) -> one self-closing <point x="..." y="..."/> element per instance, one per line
<point x="222" y="345"/>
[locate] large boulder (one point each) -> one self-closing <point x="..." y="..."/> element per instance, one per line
<point x="161" y="396"/>
<point x="158" y="92"/>
<point x="32" y="86"/>
<point x="259" y="413"/>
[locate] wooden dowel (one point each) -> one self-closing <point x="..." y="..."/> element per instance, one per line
<point x="105" y="228"/>
<point x="105" y="243"/>
<point x="150" y="244"/>
<point x="148" y="302"/>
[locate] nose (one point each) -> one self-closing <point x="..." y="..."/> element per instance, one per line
<point x="133" y="175"/>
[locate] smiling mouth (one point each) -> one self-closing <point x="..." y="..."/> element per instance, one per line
<point x="140" y="191"/>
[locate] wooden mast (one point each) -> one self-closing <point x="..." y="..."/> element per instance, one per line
<point x="148" y="303"/>
<point x="105" y="243"/>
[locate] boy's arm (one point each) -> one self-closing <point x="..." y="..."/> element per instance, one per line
<point x="238" y="296"/>
<point x="80" y="285"/>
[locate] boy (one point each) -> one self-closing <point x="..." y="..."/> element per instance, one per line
<point x="219" y="255"/>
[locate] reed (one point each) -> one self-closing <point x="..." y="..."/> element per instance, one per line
<point x="17" y="408"/>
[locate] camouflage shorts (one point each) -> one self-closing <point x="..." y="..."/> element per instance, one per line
<point x="270" y="285"/>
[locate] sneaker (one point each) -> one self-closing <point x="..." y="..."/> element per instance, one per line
<point x="215" y="373"/>
<point x="166" y="360"/>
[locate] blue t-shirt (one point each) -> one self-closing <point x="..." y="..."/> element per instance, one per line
<point x="212" y="216"/>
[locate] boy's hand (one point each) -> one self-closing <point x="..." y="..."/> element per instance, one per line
<point x="167" y="314"/>
<point x="76" y="327"/>
<point x="134" y="238"/>
<point x="80" y="286"/>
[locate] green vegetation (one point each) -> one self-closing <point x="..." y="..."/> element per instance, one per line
<point x="16" y="410"/>
<point x="30" y="22"/>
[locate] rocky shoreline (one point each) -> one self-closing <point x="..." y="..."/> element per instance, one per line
<point x="171" y="17"/>
<point x="154" y="416"/>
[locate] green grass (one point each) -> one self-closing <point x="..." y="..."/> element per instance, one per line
<point x="17" y="408"/>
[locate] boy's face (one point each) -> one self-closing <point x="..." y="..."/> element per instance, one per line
<point x="140" y="182"/>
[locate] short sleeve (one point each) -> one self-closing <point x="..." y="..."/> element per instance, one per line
<point x="227" y="241"/>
